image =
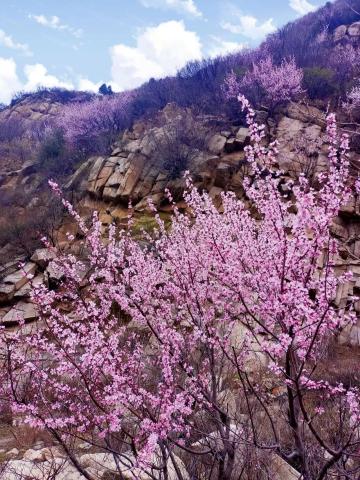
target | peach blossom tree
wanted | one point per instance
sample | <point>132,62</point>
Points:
<point>141,357</point>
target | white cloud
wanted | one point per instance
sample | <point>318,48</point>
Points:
<point>302,6</point>
<point>224,47</point>
<point>54,22</point>
<point>182,6</point>
<point>9,81</point>
<point>160,51</point>
<point>8,42</point>
<point>35,75</point>
<point>38,76</point>
<point>86,85</point>
<point>249,26</point>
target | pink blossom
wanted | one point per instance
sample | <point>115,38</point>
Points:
<point>278,83</point>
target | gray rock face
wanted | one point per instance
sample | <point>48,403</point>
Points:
<point>299,142</point>
<point>134,170</point>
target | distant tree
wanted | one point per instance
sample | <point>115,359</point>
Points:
<point>279,82</point>
<point>105,89</point>
<point>232,86</point>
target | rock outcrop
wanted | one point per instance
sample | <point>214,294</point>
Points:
<point>347,32</point>
<point>135,171</point>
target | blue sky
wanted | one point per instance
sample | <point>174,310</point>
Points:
<point>83,43</point>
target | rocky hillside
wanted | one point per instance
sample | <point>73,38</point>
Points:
<point>24,122</point>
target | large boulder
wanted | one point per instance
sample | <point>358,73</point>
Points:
<point>34,456</point>
<point>340,33</point>
<point>79,180</point>
<point>22,311</point>
<point>281,470</point>
<point>21,276</point>
<point>42,257</point>
<point>243,136</point>
<point>95,175</point>
<point>25,291</point>
<point>14,281</point>
<point>354,30</point>
<point>7,292</point>
<point>103,176</point>
<point>217,143</point>
<point>26,469</point>
<point>132,175</point>
<point>53,274</point>
<point>38,465</point>
<point>299,140</point>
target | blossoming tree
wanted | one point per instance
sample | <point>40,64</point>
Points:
<point>272,83</point>
<point>85,123</point>
<point>204,345</point>
<point>352,102</point>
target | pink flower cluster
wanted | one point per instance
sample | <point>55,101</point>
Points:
<point>84,121</point>
<point>278,83</point>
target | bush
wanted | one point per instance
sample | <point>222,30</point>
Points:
<point>319,82</point>
<point>11,129</point>
<point>181,141</point>
<point>23,224</point>
<point>53,155</point>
